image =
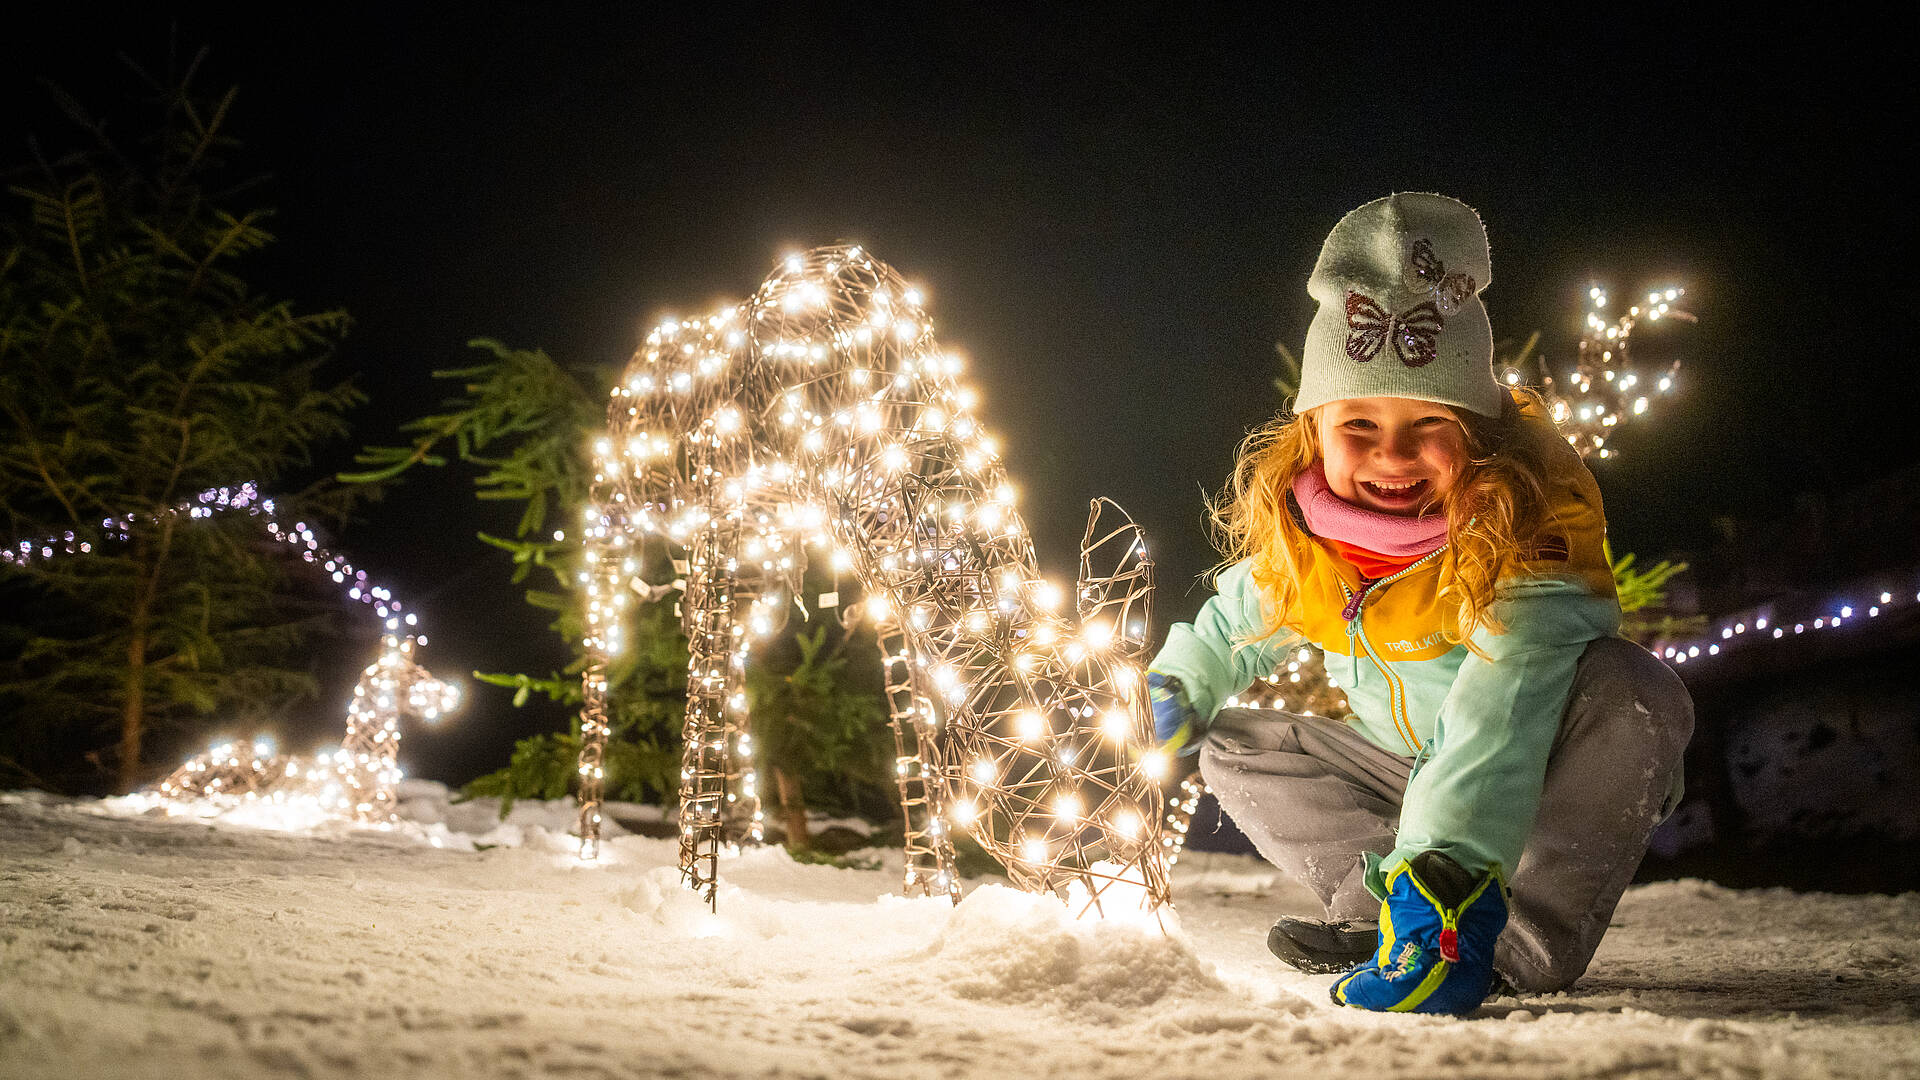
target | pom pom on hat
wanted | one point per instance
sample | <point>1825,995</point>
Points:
<point>1398,284</point>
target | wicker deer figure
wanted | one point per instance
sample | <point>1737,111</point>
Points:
<point>821,420</point>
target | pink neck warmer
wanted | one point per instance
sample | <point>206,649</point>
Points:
<point>1331,516</point>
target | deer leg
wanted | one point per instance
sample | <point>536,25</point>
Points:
<point>929,846</point>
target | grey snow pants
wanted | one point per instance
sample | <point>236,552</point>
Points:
<point>1313,794</point>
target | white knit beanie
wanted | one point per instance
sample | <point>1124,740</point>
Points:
<point>1399,283</point>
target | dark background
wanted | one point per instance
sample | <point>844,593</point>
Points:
<point>1114,216</point>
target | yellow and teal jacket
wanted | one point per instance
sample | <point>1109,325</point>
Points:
<point>1479,730</point>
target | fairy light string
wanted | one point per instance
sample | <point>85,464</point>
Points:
<point>820,420</point>
<point>1762,624</point>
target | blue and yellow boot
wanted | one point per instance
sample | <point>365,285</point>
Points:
<point>1438,925</point>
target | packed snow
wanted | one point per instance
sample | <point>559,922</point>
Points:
<point>137,944</point>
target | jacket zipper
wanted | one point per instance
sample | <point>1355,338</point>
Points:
<point>1357,640</point>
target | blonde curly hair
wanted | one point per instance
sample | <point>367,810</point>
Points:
<point>1495,512</point>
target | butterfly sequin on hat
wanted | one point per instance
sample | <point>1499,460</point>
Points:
<point>1427,274</point>
<point>1415,332</point>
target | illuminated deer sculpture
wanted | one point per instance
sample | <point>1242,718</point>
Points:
<point>821,420</point>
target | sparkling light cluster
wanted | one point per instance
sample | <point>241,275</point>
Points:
<point>1301,685</point>
<point>357,779</point>
<point>1605,389</point>
<point>242,498</point>
<point>820,420</point>
<point>206,504</point>
<point>1179,815</point>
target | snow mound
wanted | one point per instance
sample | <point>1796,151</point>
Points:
<point>478,817</point>
<point>659,896</point>
<point>1229,879</point>
<point>1008,946</point>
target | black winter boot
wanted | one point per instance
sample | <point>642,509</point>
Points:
<point>1322,948</point>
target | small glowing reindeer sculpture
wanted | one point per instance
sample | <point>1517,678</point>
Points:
<point>355,781</point>
<point>820,420</point>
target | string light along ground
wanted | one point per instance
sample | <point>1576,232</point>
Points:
<point>820,420</point>
<point>1757,625</point>
<point>354,781</point>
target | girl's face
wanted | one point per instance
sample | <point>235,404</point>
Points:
<point>1393,455</point>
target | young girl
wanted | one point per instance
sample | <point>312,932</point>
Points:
<point>1507,755</point>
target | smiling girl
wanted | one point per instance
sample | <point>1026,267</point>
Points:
<point>1507,756</point>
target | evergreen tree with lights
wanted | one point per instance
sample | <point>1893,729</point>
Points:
<point>139,367</point>
<point>520,423</point>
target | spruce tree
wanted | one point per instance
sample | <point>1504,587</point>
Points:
<point>820,723</point>
<point>138,369</point>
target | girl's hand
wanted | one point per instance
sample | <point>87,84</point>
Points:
<point>1174,721</point>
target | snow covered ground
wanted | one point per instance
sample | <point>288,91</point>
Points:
<point>143,946</point>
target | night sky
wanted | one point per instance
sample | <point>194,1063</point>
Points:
<point>1113,218</point>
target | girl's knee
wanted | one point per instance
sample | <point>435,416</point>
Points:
<point>1244,733</point>
<point>1627,683</point>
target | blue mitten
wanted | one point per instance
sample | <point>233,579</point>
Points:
<point>1174,721</point>
<point>1438,924</point>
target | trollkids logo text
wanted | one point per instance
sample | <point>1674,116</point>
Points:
<point>1414,646</point>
